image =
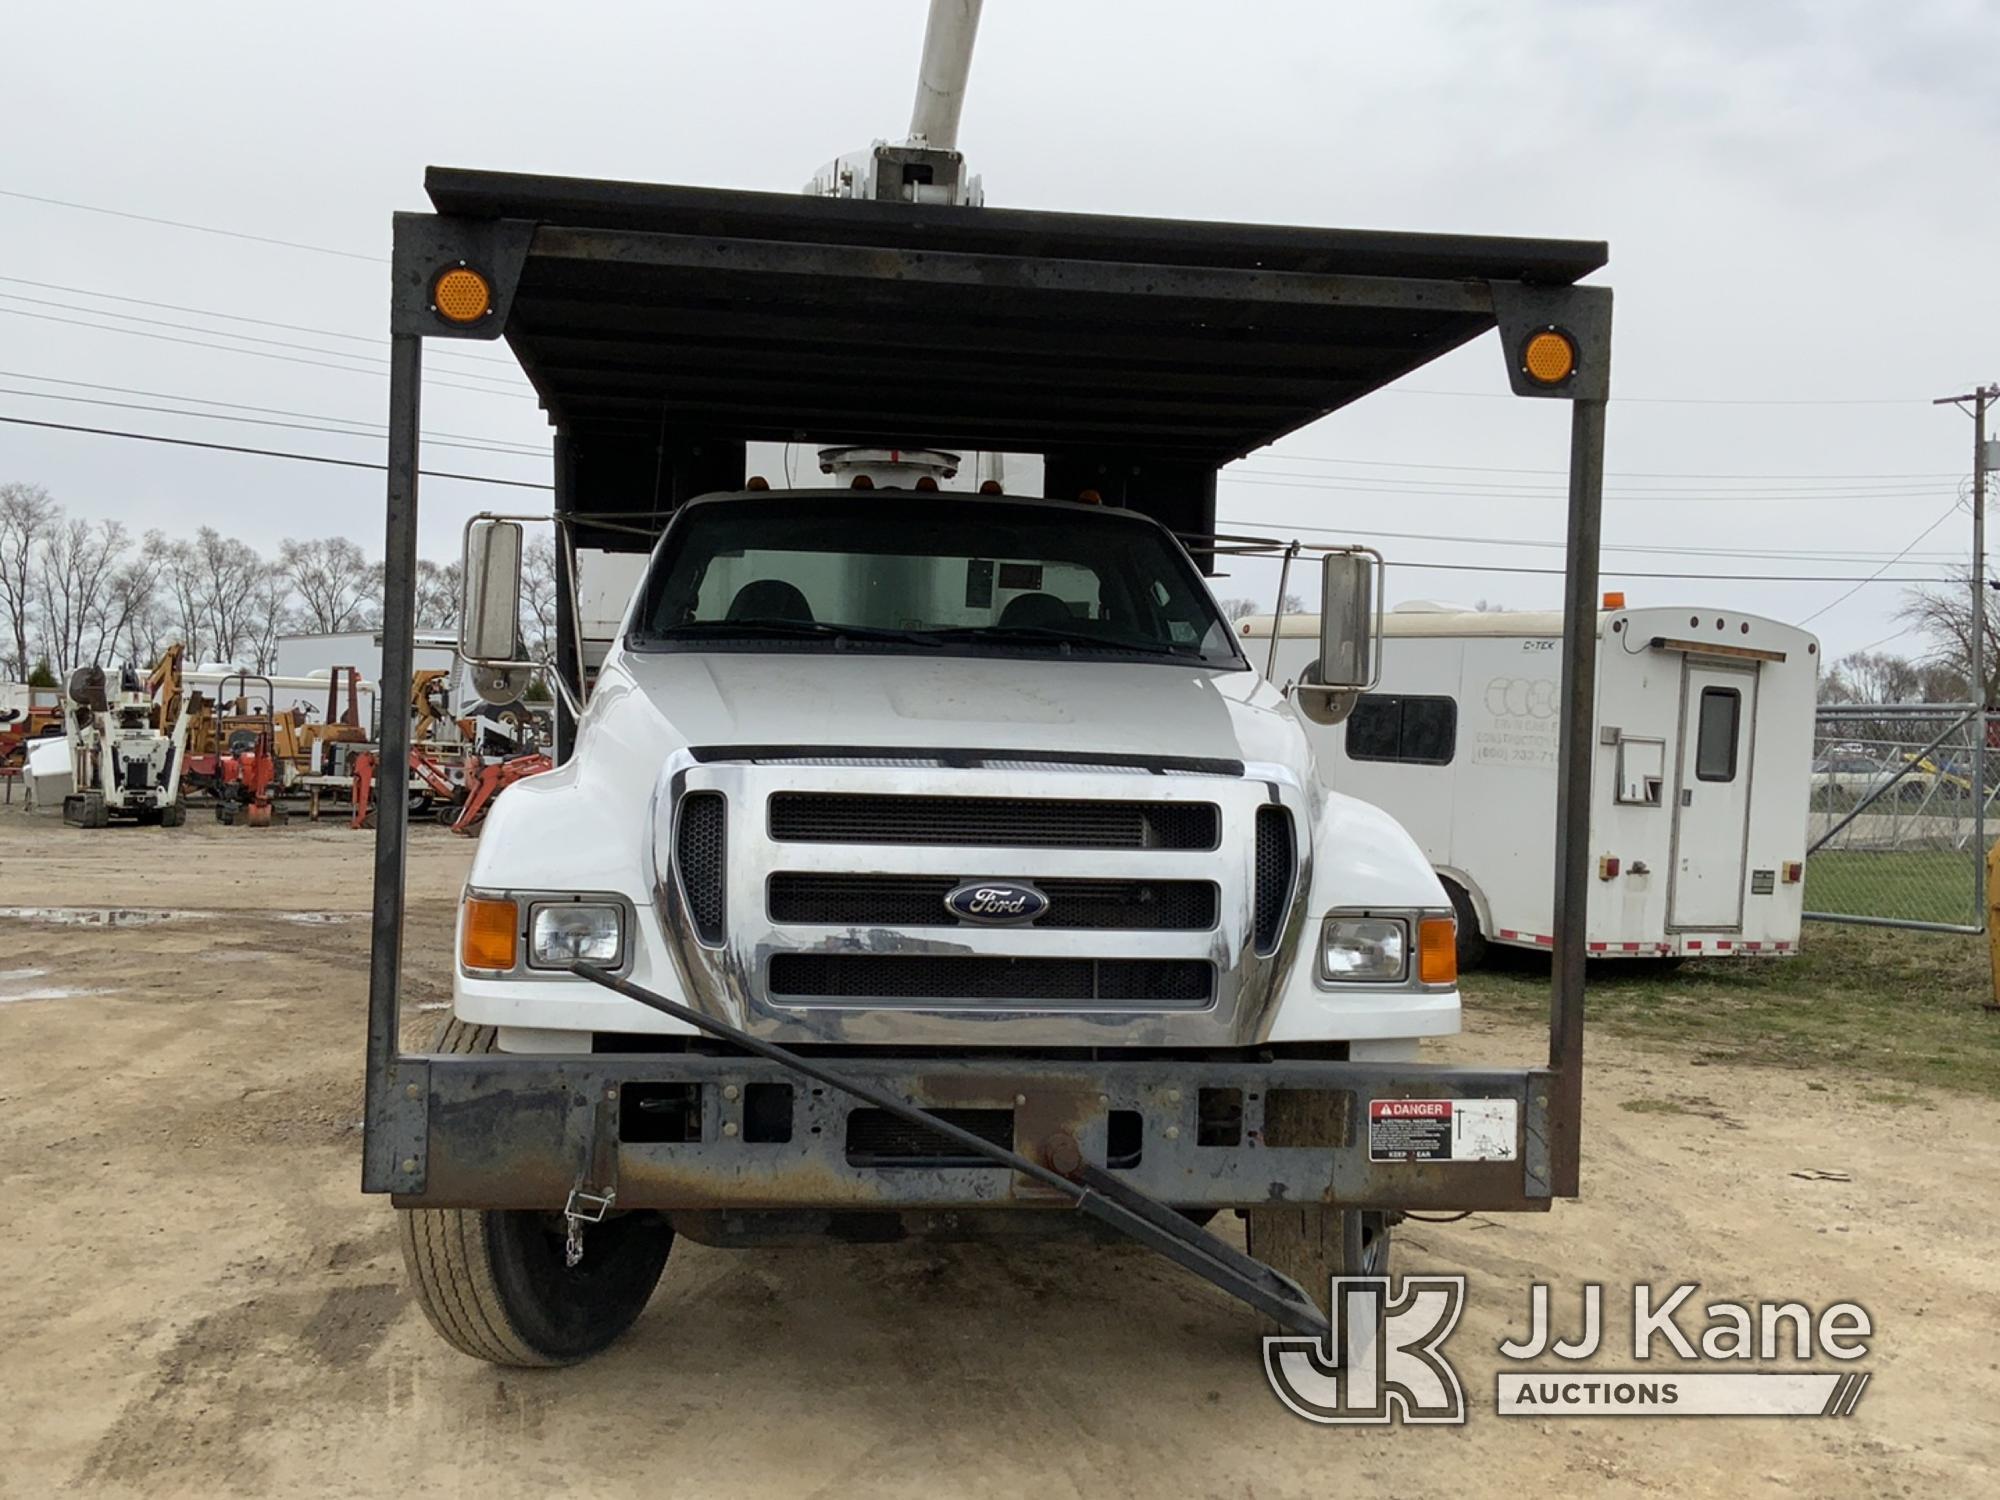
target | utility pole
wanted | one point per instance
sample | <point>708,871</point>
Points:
<point>1980,398</point>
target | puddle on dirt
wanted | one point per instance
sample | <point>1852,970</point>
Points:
<point>19,984</point>
<point>9,993</point>
<point>149,916</point>
<point>100,916</point>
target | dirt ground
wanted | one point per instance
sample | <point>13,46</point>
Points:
<point>198,1300</point>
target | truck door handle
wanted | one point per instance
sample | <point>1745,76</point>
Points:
<point>1687,796</point>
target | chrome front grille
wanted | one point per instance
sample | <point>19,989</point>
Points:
<point>924,979</point>
<point>701,857</point>
<point>1014,822</point>
<point>918,901</point>
<point>1165,926</point>
<point>1277,863</point>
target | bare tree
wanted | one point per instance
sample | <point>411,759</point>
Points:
<point>128,623</point>
<point>27,514</point>
<point>1240,609</point>
<point>227,573</point>
<point>538,598</point>
<point>1878,677</point>
<point>437,595</point>
<point>180,594</point>
<point>337,588</point>
<point>268,615</point>
<point>1943,616</point>
<point>74,568</point>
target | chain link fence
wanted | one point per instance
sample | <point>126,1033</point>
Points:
<point>1897,834</point>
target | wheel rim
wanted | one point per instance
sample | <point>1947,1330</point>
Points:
<point>1374,1246</point>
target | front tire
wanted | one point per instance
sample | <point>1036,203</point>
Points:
<point>1308,1242</point>
<point>493,1281</point>
<point>1471,941</point>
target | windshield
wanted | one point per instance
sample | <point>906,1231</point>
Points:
<point>930,575</point>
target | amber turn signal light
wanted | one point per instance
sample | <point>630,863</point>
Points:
<point>1437,950</point>
<point>460,295</point>
<point>489,934</point>
<point>1549,357</point>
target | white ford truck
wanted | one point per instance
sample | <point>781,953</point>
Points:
<point>921,862</point>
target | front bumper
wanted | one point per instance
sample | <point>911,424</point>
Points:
<point>495,1131</point>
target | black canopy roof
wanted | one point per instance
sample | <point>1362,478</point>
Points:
<point>777,316</point>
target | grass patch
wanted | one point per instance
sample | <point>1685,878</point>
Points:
<point>1857,1005</point>
<point>1919,885</point>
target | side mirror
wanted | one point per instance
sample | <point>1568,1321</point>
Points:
<point>1350,636</point>
<point>489,612</point>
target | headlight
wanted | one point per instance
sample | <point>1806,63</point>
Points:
<point>560,934</point>
<point>1364,950</point>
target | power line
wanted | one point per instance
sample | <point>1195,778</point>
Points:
<point>237,234</point>
<point>167,338</point>
<point>1384,463</point>
<point>234,234</point>
<point>221,333</point>
<point>1703,491</point>
<point>350,463</point>
<point>1342,485</point>
<point>378,435</point>
<point>1778,554</point>
<point>1281,527</point>
<point>1886,566</point>
<point>530,450</point>
<point>309,458</point>
<point>1401,390</point>
<point>203,312</point>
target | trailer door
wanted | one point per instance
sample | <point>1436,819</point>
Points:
<point>1712,805</point>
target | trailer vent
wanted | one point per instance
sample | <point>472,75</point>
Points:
<point>1045,823</point>
<point>699,852</point>
<point>888,979</point>
<point>1277,862</point>
<point>918,901</point>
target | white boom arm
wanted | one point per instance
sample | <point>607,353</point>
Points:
<point>947,61</point>
<point>926,168</point>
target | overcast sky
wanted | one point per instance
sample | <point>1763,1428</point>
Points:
<point>1799,200</point>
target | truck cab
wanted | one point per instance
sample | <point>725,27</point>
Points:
<point>833,716</point>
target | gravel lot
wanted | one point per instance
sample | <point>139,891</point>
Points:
<point>199,1300</point>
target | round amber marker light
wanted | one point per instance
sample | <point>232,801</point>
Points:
<point>461,295</point>
<point>1550,357</point>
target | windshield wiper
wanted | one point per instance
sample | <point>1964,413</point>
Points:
<point>794,629</point>
<point>1056,635</point>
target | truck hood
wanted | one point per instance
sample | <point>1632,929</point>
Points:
<point>968,703</point>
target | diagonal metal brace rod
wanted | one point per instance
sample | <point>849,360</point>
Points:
<point>1877,793</point>
<point>1090,1188</point>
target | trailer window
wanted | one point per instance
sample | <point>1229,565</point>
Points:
<point>1715,734</point>
<point>1396,726</point>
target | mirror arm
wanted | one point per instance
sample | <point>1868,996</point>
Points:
<point>561,685</point>
<point>1278,615</point>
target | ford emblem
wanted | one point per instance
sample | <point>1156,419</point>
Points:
<point>995,901</point>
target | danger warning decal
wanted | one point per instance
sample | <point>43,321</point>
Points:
<point>1442,1129</point>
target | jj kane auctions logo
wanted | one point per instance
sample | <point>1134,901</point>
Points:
<point>1383,1358</point>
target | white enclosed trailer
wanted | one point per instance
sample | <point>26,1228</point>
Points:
<point>1698,796</point>
<point>314,656</point>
